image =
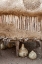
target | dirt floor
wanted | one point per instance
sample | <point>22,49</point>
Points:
<point>8,56</point>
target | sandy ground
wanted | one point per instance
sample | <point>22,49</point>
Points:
<point>8,56</point>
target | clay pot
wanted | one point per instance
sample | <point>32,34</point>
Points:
<point>23,52</point>
<point>32,55</point>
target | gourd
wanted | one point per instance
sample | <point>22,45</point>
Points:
<point>32,55</point>
<point>23,52</point>
<point>2,46</point>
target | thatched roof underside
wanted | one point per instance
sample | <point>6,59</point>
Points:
<point>24,7</point>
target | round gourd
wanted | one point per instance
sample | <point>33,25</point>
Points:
<point>32,55</point>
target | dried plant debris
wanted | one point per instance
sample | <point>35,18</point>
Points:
<point>31,4</point>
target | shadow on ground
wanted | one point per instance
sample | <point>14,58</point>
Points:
<point>8,56</point>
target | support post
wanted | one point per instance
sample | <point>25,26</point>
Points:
<point>17,47</point>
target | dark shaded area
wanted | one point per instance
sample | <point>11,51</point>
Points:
<point>31,44</point>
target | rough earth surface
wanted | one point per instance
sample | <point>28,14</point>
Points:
<point>8,56</point>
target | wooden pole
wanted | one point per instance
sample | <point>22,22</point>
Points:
<point>17,47</point>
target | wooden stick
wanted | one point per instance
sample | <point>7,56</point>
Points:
<point>17,47</point>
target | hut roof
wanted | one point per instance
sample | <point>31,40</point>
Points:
<point>24,7</point>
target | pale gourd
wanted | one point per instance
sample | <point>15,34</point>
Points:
<point>32,55</point>
<point>2,46</point>
<point>23,52</point>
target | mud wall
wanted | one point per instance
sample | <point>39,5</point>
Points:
<point>20,26</point>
